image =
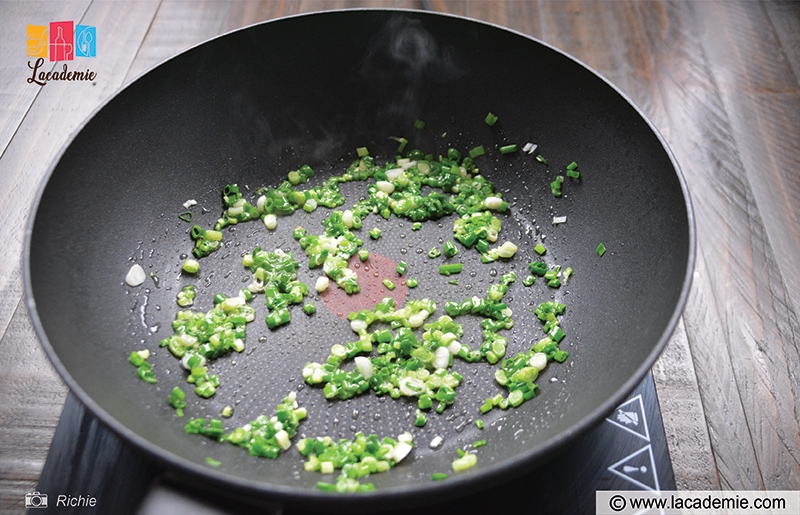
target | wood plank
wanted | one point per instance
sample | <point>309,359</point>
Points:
<point>742,332</point>
<point>177,26</point>
<point>785,18</point>
<point>763,101</point>
<point>682,414</point>
<point>16,95</point>
<point>33,395</point>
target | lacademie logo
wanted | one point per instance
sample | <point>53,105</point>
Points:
<point>60,41</point>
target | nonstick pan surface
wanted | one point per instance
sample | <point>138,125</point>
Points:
<point>251,105</point>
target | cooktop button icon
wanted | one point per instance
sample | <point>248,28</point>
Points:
<point>630,416</point>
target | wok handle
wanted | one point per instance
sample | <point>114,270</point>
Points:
<point>88,461</point>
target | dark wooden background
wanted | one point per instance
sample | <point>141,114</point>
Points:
<point>719,80</point>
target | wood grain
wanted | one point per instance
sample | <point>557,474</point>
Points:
<point>33,395</point>
<point>739,316</point>
<point>15,98</point>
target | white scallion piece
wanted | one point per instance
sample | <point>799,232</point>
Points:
<point>400,451</point>
<point>364,366</point>
<point>270,221</point>
<point>538,361</point>
<point>559,220</point>
<point>135,276</point>
<point>417,319</point>
<point>411,386</point>
<point>507,250</point>
<point>454,347</point>
<point>493,203</point>
<point>393,173</point>
<point>436,442</point>
<point>189,203</point>
<point>322,284</point>
<point>358,325</point>
<point>385,186</point>
<point>282,437</point>
<point>441,357</point>
<point>347,219</point>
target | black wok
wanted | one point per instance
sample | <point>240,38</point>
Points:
<point>251,105</point>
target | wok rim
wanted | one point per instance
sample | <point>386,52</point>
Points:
<point>410,495</point>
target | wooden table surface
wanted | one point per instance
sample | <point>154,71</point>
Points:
<point>719,80</point>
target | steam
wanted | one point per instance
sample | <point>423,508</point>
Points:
<point>364,90</point>
<point>402,59</point>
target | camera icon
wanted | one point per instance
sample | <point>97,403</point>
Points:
<point>35,500</point>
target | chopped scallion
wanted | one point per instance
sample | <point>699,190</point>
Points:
<point>451,268</point>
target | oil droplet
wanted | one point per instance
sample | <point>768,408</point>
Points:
<point>357,266</point>
<point>403,251</point>
<point>493,272</point>
<point>473,273</point>
<point>420,251</point>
